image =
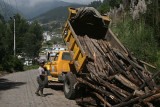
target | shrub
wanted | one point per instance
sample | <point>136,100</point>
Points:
<point>18,65</point>
<point>11,63</point>
<point>139,38</point>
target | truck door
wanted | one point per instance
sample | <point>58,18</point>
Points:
<point>64,62</point>
<point>55,63</point>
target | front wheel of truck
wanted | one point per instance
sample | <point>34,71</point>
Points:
<point>68,87</point>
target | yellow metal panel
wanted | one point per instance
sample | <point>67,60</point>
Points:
<point>76,54</point>
<point>80,58</point>
<point>75,48</point>
<point>50,78</point>
<point>72,44</point>
<point>81,64</point>
<point>68,36</point>
<point>106,18</point>
<point>65,28</point>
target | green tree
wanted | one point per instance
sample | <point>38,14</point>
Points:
<point>31,45</point>
<point>21,28</point>
<point>104,8</point>
<point>114,3</point>
<point>95,4</point>
<point>28,42</point>
<point>36,29</point>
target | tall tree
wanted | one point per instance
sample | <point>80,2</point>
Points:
<point>95,4</point>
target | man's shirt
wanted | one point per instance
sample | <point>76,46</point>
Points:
<point>41,71</point>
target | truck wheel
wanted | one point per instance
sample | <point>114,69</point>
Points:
<point>68,87</point>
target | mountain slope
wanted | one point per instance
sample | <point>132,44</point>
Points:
<point>56,14</point>
<point>32,10</point>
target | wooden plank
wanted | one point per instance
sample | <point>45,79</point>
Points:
<point>126,82</point>
<point>123,104</point>
<point>75,37</point>
<point>108,94</point>
<point>102,99</point>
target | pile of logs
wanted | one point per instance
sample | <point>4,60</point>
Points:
<point>117,79</point>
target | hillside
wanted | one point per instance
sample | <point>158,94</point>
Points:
<point>56,14</point>
<point>30,9</point>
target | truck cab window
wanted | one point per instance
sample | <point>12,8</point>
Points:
<point>66,56</point>
<point>56,57</point>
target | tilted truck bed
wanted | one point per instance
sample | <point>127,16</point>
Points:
<point>115,77</point>
<point>76,50</point>
<point>77,53</point>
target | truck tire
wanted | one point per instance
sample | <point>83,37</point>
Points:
<point>68,87</point>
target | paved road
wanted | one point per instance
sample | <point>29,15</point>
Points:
<point>17,90</point>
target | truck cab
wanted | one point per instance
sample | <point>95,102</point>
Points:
<point>59,66</point>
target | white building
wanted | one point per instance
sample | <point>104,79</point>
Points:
<point>46,36</point>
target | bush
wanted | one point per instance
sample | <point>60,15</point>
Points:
<point>18,65</point>
<point>139,38</point>
<point>31,67</point>
<point>12,63</point>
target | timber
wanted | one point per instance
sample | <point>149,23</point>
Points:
<point>113,74</point>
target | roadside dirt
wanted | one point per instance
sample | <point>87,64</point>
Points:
<point>3,73</point>
<point>18,89</point>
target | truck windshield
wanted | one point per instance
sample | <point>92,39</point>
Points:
<point>66,56</point>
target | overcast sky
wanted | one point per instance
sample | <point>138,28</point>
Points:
<point>33,2</point>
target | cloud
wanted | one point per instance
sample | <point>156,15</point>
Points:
<point>79,1</point>
<point>34,2</point>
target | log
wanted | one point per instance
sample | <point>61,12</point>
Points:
<point>108,94</point>
<point>108,64</point>
<point>122,104</point>
<point>102,99</point>
<point>147,64</point>
<point>112,87</point>
<point>126,82</point>
<point>156,96</point>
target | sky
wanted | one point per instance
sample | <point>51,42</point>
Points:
<point>33,2</point>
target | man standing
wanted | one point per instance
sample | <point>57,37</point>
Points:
<point>41,79</point>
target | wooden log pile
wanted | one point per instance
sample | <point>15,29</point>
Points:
<point>117,79</point>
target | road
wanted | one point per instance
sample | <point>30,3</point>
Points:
<point>18,89</point>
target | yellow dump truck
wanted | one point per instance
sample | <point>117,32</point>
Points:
<point>77,53</point>
<point>104,68</point>
<point>61,64</point>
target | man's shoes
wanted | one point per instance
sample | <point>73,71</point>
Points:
<point>37,93</point>
<point>42,95</point>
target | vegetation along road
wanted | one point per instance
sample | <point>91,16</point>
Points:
<point>18,89</point>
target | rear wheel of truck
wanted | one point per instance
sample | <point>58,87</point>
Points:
<point>68,87</point>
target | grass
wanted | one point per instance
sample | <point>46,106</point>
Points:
<point>31,67</point>
<point>139,38</point>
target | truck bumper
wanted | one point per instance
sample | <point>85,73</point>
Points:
<point>54,79</point>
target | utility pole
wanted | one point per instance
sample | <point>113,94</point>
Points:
<point>14,36</point>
